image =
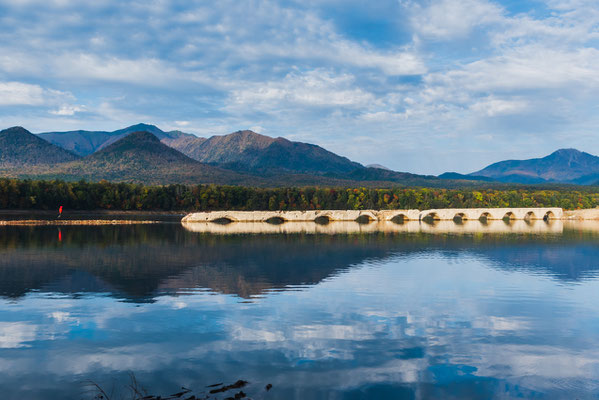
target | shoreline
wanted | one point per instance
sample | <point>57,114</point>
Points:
<point>82,217</point>
<point>66,222</point>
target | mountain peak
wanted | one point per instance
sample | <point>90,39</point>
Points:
<point>567,151</point>
<point>20,147</point>
<point>143,127</point>
<point>569,154</point>
<point>249,136</point>
<point>15,130</point>
<point>134,140</point>
<point>142,136</point>
<point>245,132</point>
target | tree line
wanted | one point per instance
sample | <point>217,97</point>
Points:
<point>82,195</point>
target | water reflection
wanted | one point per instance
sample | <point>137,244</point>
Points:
<point>358,315</point>
<point>345,227</point>
<point>140,262</point>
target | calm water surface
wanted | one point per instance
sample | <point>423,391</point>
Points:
<point>346,316</point>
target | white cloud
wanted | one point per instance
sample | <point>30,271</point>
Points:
<point>25,94</point>
<point>450,19</point>
<point>149,72</point>
<point>17,93</point>
<point>317,88</point>
<point>493,107</point>
<point>68,110</point>
<point>531,67</point>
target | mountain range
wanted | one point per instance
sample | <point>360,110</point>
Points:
<point>241,150</point>
<point>146,154</point>
<point>84,143</point>
<point>140,156</point>
<point>562,166</point>
<point>129,155</point>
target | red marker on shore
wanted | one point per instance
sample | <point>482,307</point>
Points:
<point>59,212</point>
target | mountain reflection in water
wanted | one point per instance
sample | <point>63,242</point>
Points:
<point>140,262</point>
<point>400,311</point>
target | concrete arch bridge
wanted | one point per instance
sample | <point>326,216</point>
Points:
<point>303,216</point>
<point>448,214</point>
<point>375,215</point>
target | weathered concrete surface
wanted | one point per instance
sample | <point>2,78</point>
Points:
<point>374,215</point>
<point>587,214</point>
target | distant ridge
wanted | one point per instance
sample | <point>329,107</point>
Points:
<point>457,176</point>
<point>19,147</point>
<point>84,143</point>
<point>561,166</point>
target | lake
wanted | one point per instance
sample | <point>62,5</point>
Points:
<point>346,313</point>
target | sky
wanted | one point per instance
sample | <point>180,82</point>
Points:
<point>419,86</point>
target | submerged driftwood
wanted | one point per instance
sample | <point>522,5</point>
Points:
<point>137,392</point>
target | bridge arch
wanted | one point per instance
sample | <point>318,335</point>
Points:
<point>400,218</point>
<point>530,215</point>
<point>224,220</point>
<point>276,220</point>
<point>322,219</point>
<point>509,216</point>
<point>549,215</point>
<point>485,216</point>
<point>460,217</point>
<point>364,219</point>
<point>431,216</point>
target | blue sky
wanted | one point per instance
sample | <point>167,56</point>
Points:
<point>420,86</point>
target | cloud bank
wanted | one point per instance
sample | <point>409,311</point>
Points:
<point>422,86</point>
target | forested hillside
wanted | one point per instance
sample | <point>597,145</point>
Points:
<point>27,194</point>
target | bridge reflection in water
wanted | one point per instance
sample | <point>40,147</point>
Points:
<point>341,227</point>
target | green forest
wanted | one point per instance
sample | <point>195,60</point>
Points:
<point>49,195</point>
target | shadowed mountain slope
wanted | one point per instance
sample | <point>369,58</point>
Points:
<point>141,157</point>
<point>247,150</point>
<point>563,166</point>
<point>19,147</point>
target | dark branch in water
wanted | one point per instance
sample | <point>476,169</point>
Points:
<point>237,385</point>
<point>137,392</point>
